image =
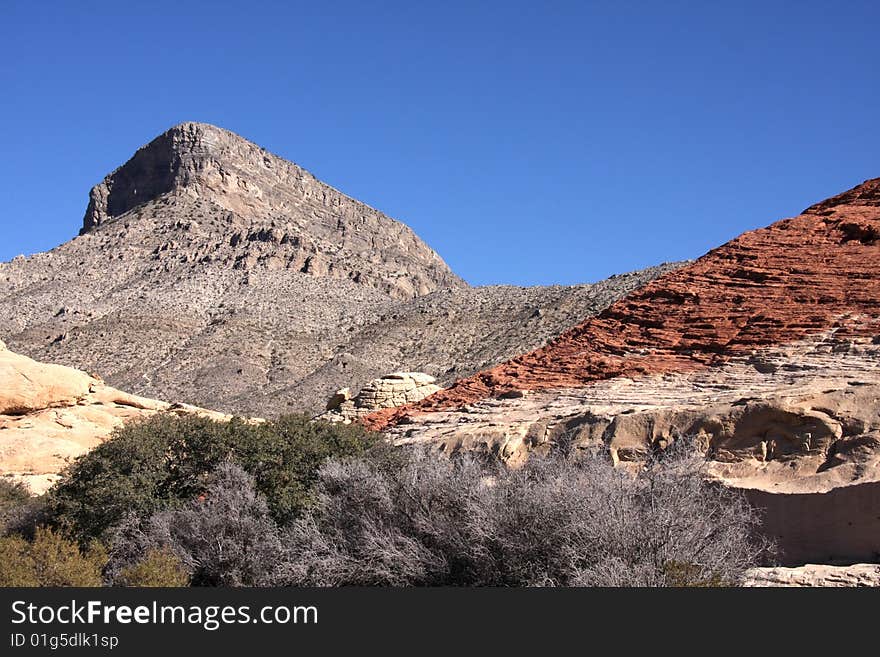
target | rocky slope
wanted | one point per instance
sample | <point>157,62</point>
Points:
<point>456,332</point>
<point>213,272</point>
<point>766,349</point>
<point>50,414</point>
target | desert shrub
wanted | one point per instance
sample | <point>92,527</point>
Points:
<point>49,560</point>
<point>424,523</point>
<point>165,460</point>
<point>285,459</point>
<point>12,494</point>
<point>15,503</point>
<point>564,520</point>
<point>16,565</point>
<point>20,511</point>
<point>158,567</point>
<point>223,537</point>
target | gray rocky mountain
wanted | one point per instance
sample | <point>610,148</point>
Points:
<point>212,272</point>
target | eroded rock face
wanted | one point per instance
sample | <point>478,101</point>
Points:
<point>388,391</point>
<point>29,386</point>
<point>50,414</point>
<point>802,438</point>
<point>278,214</point>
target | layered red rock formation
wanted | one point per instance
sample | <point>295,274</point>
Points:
<point>798,277</point>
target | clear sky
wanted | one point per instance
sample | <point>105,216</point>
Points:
<point>527,142</point>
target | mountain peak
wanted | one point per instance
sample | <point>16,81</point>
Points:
<point>179,157</point>
<point>201,193</point>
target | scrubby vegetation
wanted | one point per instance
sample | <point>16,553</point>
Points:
<point>224,537</point>
<point>20,512</point>
<point>563,520</point>
<point>166,460</point>
<point>49,560</point>
<point>184,486</point>
<point>190,501</point>
<point>158,567</point>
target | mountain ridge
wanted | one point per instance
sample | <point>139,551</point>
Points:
<point>212,272</point>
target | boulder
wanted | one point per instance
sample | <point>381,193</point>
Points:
<point>388,391</point>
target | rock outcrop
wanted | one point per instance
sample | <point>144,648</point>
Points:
<point>388,391</point>
<point>50,414</point>
<point>816,575</point>
<point>766,351</point>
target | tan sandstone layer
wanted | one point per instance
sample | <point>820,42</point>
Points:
<point>386,391</point>
<point>50,414</point>
<point>813,575</point>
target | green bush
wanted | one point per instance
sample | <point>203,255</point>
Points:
<point>49,560</point>
<point>158,567</point>
<point>160,462</point>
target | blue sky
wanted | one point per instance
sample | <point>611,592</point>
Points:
<point>527,142</point>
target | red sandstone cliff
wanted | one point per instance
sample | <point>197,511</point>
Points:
<point>816,272</point>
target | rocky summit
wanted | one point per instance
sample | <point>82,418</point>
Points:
<point>209,271</point>
<point>766,350</point>
<point>242,207</point>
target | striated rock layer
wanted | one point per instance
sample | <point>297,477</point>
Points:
<point>797,277</point>
<point>50,414</point>
<point>387,391</point>
<point>813,575</point>
<point>766,351</point>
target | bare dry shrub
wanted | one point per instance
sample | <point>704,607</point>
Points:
<point>225,537</point>
<point>562,520</point>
